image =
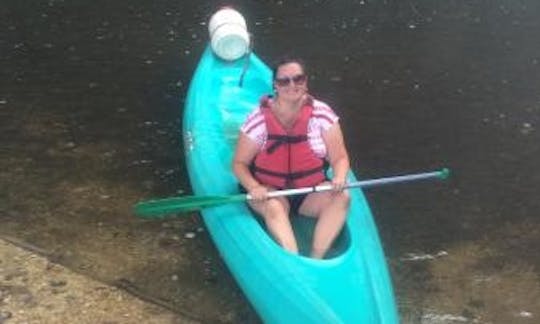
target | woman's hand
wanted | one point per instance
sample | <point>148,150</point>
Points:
<point>258,193</point>
<point>338,184</point>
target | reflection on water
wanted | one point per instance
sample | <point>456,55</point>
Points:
<point>90,103</point>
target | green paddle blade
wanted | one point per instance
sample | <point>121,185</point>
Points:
<point>160,207</point>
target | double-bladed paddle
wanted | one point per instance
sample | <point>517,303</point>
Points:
<point>161,207</point>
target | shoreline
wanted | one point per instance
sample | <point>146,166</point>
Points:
<point>34,289</point>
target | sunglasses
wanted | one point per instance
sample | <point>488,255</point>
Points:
<point>298,79</point>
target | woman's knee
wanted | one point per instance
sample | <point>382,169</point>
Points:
<point>275,209</point>
<point>345,197</point>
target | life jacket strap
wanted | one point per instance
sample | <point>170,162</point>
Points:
<point>288,176</point>
<point>284,139</point>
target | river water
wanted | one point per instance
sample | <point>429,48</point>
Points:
<point>91,95</point>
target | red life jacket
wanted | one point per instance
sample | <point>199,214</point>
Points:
<point>287,160</point>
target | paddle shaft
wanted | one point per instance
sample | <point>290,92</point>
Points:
<point>363,184</point>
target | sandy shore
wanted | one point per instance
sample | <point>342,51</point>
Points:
<point>35,290</point>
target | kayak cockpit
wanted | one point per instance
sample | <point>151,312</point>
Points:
<point>303,230</point>
<point>304,227</point>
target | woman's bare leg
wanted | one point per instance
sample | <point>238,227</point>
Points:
<point>330,209</point>
<point>275,212</point>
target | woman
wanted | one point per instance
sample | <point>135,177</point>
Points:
<point>286,143</point>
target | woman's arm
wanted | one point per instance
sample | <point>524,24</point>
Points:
<point>246,150</point>
<point>337,154</point>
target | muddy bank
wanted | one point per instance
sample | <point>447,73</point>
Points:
<point>35,290</point>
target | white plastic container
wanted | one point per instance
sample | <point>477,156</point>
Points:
<point>229,37</point>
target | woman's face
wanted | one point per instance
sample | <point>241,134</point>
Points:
<point>290,82</point>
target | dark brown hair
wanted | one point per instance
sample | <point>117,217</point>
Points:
<point>286,60</point>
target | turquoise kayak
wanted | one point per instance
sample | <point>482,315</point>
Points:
<point>352,285</point>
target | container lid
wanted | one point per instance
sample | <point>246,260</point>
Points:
<point>230,42</point>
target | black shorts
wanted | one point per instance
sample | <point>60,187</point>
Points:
<point>294,201</point>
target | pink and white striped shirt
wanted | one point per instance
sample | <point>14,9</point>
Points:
<point>322,118</point>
